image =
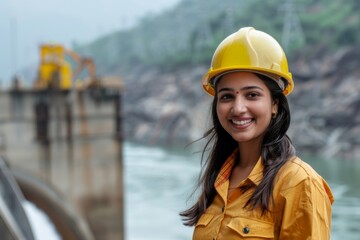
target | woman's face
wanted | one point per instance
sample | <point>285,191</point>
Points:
<point>244,106</point>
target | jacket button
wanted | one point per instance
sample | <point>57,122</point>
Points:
<point>246,230</point>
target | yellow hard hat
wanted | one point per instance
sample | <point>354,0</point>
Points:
<point>249,50</point>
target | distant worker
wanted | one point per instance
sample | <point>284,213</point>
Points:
<point>253,186</point>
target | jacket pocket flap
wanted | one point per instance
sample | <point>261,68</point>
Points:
<point>204,219</point>
<point>246,227</point>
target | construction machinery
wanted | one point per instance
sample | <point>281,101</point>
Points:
<point>81,64</point>
<point>55,72</point>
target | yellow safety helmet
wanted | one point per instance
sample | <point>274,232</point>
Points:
<point>249,50</point>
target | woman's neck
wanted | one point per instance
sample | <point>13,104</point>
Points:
<point>249,154</point>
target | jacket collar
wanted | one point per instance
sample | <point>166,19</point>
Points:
<point>255,176</point>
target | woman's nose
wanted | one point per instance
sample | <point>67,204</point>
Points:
<point>239,106</point>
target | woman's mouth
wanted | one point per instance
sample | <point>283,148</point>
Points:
<point>241,123</point>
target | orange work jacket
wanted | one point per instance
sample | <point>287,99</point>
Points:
<point>300,208</point>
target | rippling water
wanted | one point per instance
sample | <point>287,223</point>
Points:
<point>158,183</point>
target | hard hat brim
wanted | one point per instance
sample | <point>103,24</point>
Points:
<point>210,78</point>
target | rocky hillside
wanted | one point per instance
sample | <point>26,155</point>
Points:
<point>163,58</point>
<point>326,105</point>
<point>169,107</point>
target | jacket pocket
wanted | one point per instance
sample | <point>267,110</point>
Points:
<point>203,229</point>
<point>252,228</point>
<point>204,220</point>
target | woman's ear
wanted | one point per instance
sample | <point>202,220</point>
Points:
<point>274,108</point>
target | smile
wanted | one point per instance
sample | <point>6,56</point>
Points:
<point>241,122</point>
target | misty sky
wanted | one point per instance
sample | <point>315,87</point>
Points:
<point>24,25</point>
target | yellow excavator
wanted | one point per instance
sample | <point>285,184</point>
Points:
<point>55,72</point>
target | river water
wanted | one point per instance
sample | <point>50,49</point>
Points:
<point>158,183</point>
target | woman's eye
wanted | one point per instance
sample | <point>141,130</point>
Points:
<point>226,97</point>
<point>253,95</point>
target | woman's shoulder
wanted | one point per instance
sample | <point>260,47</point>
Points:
<point>296,171</point>
<point>297,174</point>
<point>297,164</point>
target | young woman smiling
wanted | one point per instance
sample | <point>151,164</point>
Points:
<point>253,186</point>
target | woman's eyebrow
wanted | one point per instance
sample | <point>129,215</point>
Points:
<point>226,89</point>
<point>252,87</point>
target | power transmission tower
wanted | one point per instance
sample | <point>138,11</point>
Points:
<point>229,24</point>
<point>14,41</point>
<point>292,31</point>
<point>204,36</point>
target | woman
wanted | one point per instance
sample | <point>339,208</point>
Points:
<point>253,185</point>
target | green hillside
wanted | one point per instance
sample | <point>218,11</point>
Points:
<point>189,33</point>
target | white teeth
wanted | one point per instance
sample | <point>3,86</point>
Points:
<point>242,122</point>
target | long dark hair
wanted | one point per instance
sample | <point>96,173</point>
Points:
<point>276,150</point>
